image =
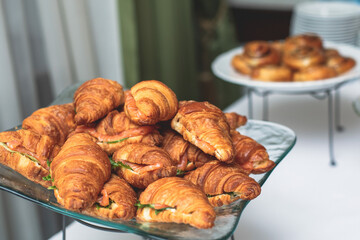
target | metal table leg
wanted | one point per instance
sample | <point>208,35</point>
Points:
<point>331,127</point>
<point>63,227</point>
<point>338,125</point>
<point>265,107</point>
<point>250,103</point>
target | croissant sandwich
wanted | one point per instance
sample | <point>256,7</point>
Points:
<point>116,200</point>
<point>116,130</point>
<point>140,164</point>
<point>96,98</point>
<point>205,126</point>
<point>176,200</point>
<point>250,155</point>
<point>149,102</point>
<point>185,154</point>
<point>56,121</point>
<point>223,183</point>
<point>28,153</point>
<point>79,172</point>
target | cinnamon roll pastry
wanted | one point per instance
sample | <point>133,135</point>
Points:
<point>116,200</point>
<point>96,98</point>
<point>250,155</point>
<point>55,121</point>
<point>224,183</point>
<point>331,52</point>
<point>149,102</point>
<point>303,57</point>
<point>278,45</point>
<point>28,153</point>
<point>116,130</point>
<point>235,120</point>
<point>340,64</point>
<point>185,154</point>
<point>79,171</point>
<point>308,39</point>
<point>272,73</point>
<point>140,164</point>
<point>205,126</point>
<point>314,73</point>
<point>176,200</point>
<point>256,54</point>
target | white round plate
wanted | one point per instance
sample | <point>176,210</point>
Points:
<point>328,9</point>
<point>223,69</point>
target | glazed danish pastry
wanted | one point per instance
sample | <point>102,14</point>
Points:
<point>224,183</point>
<point>116,130</point>
<point>28,153</point>
<point>141,164</point>
<point>55,121</point>
<point>331,52</point>
<point>310,40</point>
<point>315,73</point>
<point>116,200</point>
<point>250,155</point>
<point>79,171</point>
<point>176,200</point>
<point>96,98</point>
<point>205,126</point>
<point>272,73</point>
<point>241,65</point>
<point>149,102</point>
<point>303,57</point>
<point>341,64</point>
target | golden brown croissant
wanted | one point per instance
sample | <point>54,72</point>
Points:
<point>116,201</point>
<point>149,102</point>
<point>177,200</point>
<point>56,121</point>
<point>79,172</point>
<point>224,183</point>
<point>185,154</point>
<point>28,153</point>
<point>142,164</point>
<point>235,120</point>
<point>205,126</point>
<point>250,155</point>
<point>96,98</point>
<point>117,130</point>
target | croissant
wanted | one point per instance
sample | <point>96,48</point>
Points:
<point>141,164</point>
<point>28,153</point>
<point>205,126</point>
<point>235,120</point>
<point>79,172</point>
<point>185,154</point>
<point>176,200</point>
<point>116,130</point>
<point>250,155</point>
<point>116,200</point>
<point>149,102</point>
<point>223,183</point>
<point>56,121</point>
<point>95,98</point>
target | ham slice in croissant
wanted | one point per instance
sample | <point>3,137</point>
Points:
<point>116,130</point>
<point>55,121</point>
<point>235,120</point>
<point>28,153</point>
<point>250,155</point>
<point>79,171</point>
<point>185,154</point>
<point>149,102</point>
<point>205,126</point>
<point>96,98</point>
<point>116,201</point>
<point>223,183</point>
<point>142,164</point>
<point>176,200</point>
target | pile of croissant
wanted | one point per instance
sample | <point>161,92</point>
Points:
<point>139,153</point>
<point>298,58</point>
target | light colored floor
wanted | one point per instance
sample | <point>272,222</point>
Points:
<point>305,198</point>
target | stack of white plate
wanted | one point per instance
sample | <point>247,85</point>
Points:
<point>333,21</point>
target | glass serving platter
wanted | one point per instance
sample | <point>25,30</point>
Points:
<point>223,69</point>
<point>277,139</point>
